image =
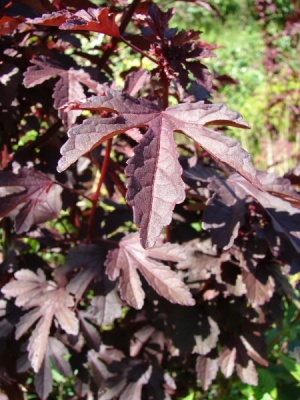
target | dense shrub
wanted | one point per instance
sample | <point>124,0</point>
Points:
<point>143,253</point>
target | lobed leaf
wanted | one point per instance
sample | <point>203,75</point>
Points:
<point>33,196</point>
<point>130,258</point>
<point>48,302</point>
<point>154,174</point>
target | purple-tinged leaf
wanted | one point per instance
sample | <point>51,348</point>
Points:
<point>105,309</point>
<point>34,192</point>
<point>259,284</point>
<point>204,344</point>
<point>99,370</point>
<point>154,174</point>
<point>88,260</point>
<point>26,286</point>
<point>47,302</point>
<point>154,182</point>
<point>58,353</point>
<point>139,339</point>
<point>253,353</point>
<point>43,379</point>
<point>67,89</point>
<point>280,187</point>
<point>89,331</point>
<point>133,391</point>
<point>130,258</point>
<point>224,214</point>
<point>285,218</point>
<point>42,70</point>
<point>227,361</point>
<point>248,374</point>
<point>207,369</point>
<point>230,275</point>
<point>135,81</point>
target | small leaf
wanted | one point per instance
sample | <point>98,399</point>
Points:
<point>207,369</point>
<point>227,361</point>
<point>248,374</point>
<point>130,258</point>
<point>36,194</point>
<point>205,344</point>
<point>47,302</point>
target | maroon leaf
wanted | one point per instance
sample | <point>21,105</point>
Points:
<point>205,344</point>
<point>285,218</point>
<point>154,181</point>
<point>229,200</point>
<point>207,369</point>
<point>90,333</point>
<point>259,284</point>
<point>139,339</point>
<point>253,353</point>
<point>248,374</point>
<point>225,213</point>
<point>38,197</point>
<point>94,19</point>
<point>46,301</point>
<point>227,361</point>
<point>68,88</point>
<point>105,309</point>
<point>135,81</point>
<point>130,258</point>
<point>59,353</point>
<point>88,260</point>
<point>43,379</point>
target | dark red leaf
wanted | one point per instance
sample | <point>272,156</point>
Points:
<point>67,89</point>
<point>45,301</point>
<point>94,19</point>
<point>43,379</point>
<point>130,258</point>
<point>207,369</point>
<point>154,184</point>
<point>34,192</point>
<point>227,361</point>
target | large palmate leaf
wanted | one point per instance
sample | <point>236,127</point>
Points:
<point>32,195</point>
<point>154,173</point>
<point>130,258</point>
<point>46,301</point>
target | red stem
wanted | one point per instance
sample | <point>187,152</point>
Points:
<point>133,47</point>
<point>95,198</point>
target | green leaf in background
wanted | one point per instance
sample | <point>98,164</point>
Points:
<point>291,365</point>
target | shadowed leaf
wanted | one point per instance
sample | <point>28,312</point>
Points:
<point>32,195</point>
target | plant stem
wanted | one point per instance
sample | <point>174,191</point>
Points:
<point>94,199</point>
<point>133,47</point>
<point>73,190</point>
<point>165,85</point>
